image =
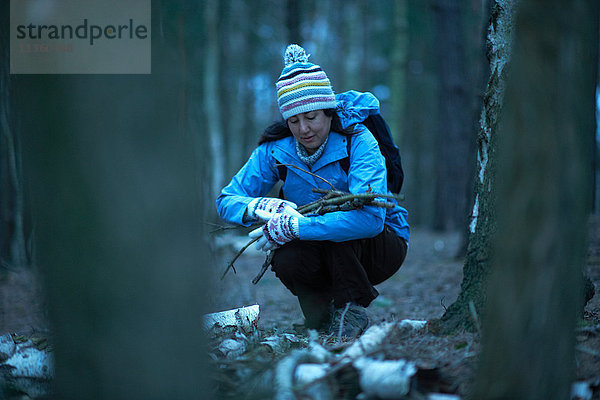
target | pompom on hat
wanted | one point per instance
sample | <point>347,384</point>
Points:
<point>302,86</point>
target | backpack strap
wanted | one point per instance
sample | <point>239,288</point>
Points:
<point>282,170</point>
<point>345,162</point>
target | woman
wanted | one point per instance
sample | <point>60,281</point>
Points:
<point>330,262</point>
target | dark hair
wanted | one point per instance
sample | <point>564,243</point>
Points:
<point>280,129</point>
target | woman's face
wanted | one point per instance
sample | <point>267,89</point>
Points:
<point>310,129</point>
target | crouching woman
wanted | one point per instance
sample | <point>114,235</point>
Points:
<point>331,262</point>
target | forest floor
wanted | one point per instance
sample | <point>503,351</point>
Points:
<point>428,281</point>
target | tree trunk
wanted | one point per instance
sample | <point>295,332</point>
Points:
<point>483,224</point>
<point>353,50</point>
<point>13,249</point>
<point>476,18</point>
<point>113,179</point>
<point>543,188</point>
<point>398,71</point>
<point>417,155</point>
<point>212,95</point>
<point>454,132</point>
<point>293,21</point>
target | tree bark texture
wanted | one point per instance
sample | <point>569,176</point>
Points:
<point>483,219</point>
<point>112,171</point>
<point>543,191</point>
<point>477,18</point>
<point>455,132</point>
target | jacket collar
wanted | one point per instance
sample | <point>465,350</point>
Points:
<point>284,151</point>
<point>336,150</point>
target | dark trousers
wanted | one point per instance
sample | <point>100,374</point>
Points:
<point>320,273</point>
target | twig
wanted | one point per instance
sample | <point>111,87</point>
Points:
<point>230,265</point>
<point>333,200</point>
<point>354,201</point>
<point>341,328</point>
<point>310,173</point>
<point>264,268</point>
<point>329,195</point>
<point>340,193</point>
<point>351,205</point>
<point>443,305</point>
<point>220,228</point>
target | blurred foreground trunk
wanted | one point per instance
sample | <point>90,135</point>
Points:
<point>113,173</point>
<point>543,203</point>
<point>13,235</point>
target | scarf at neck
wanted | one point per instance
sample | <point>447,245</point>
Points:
<point>310,159</point>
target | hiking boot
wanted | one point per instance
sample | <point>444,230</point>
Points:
<point>317,311</point>
<point>349,321</point>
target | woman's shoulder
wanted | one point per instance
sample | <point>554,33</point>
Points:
<point>363,136</point>
<point>282,142</point>
<point>277,147</point>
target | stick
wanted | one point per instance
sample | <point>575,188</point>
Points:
<point>341,328</point>
<point>340,193</point>
<point>333,200</point>
<point>354,201</point>
<point>264,268</point>
<point>230,265</point>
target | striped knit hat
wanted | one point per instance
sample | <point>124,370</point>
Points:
<point>302,86</point>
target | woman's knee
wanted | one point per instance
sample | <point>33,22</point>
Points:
<point>299,264</point>
<point>283,261</point>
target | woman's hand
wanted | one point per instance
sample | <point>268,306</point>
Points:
<point>270,205</point>
<point>280,227</point>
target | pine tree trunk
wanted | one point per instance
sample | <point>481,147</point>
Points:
<point>418,158</point>
<point>454,129</point>
<point>483,224</point>
<point>398,72</point>
<point>353,49</point>
<point>543,189</point>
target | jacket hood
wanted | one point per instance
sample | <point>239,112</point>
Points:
<point>354,107</point>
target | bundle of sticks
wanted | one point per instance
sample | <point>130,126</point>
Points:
<point>332,200</point>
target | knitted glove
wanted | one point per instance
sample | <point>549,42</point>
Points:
<point>280,228</point>
<point>268,204</point>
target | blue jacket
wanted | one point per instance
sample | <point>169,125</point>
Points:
<point>367,173</point>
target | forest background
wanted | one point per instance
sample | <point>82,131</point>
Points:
<point>138,160</point>
<point>424,60</point>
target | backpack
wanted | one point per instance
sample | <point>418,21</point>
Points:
<point>381,131</point>
<point>393,162</point>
